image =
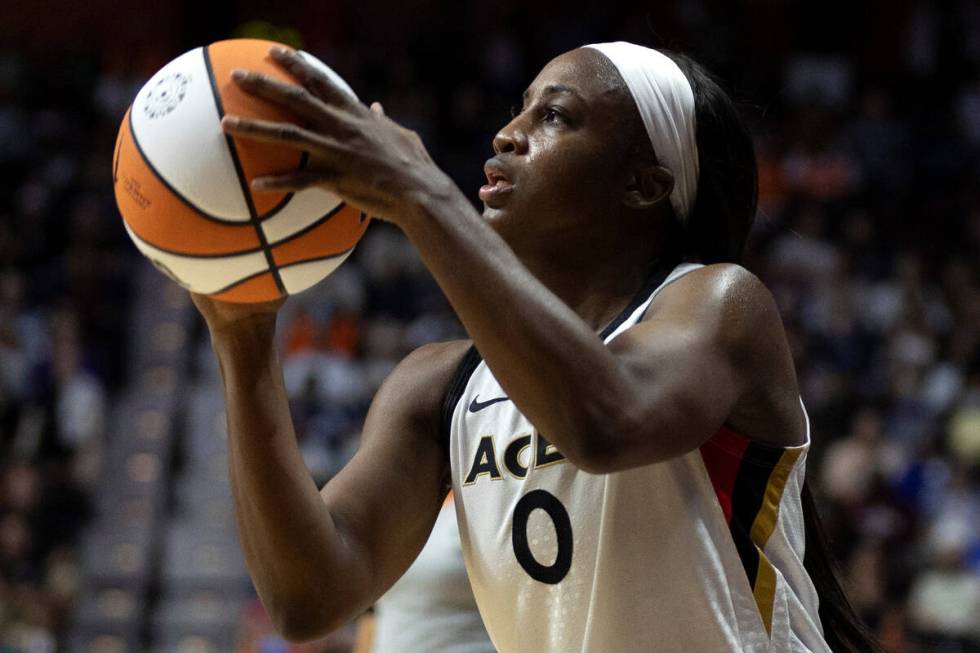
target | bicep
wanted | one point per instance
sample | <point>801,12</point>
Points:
<point>385,502</point>
<point>690,364</point>
<point>684,387</point>
<point>386,499</point>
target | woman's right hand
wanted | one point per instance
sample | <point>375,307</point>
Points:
<point>225,317</point>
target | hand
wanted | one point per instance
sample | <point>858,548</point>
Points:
<point>355,152</point>
<point>224,317</point>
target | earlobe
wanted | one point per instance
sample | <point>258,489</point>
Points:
<point>648,187</point>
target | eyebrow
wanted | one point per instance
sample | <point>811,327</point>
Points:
<point>553,89</point>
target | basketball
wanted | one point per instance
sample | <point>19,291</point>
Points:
<point>183,186</point>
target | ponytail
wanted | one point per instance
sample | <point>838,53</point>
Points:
<point>718,225</point>
<point>842,628</point>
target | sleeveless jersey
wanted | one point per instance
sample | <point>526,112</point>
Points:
<point>431,607</point>
<point>701,553</point>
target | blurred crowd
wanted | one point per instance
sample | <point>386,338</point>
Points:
<point>64,270</point>
<point>867,123</point>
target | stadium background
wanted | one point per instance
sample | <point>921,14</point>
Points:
<point>116,531</point>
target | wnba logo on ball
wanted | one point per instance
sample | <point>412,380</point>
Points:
<point>164,96</point>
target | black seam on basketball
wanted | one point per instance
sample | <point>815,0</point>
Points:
<point>285,200</point>
<point>277,208</point>
<point>174,191</point>
<point>312,259</point>
<point>158,263</point>
<point>242,181</point>
<point>174,252</point>
<point>313,225</point>
<point>238,283</point>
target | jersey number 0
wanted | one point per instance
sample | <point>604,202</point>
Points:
<point>541,499</point>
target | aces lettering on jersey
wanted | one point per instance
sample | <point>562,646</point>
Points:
<point>517,458</point>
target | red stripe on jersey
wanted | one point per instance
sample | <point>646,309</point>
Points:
<point>722,456</point>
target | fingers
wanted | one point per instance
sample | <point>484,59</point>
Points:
<point>377,109</point>
<point>295,181</point>
<point>311,77</point>
<point>278,133</point>
<point>297,98</point>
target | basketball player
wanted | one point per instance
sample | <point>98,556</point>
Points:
<point>624,433</point>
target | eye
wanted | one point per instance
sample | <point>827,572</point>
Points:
<point>552,114</point>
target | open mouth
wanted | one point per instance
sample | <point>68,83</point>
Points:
<point>498,185</point>
<point>497,179</point>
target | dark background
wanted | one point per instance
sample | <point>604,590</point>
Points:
<point>867,124</point>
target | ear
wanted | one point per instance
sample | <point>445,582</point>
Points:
<point>648,187</point>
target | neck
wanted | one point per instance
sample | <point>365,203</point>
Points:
<point>595,281</point>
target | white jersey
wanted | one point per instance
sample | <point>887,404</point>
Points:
<point>431,608</point>
<point>701,553</point>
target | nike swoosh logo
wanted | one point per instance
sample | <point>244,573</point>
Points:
<point>476,405</point>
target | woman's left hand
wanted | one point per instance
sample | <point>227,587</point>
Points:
<point>356,152</point>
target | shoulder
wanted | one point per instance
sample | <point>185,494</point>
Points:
<point>737,317</point>
<point>724,299</point>
<point>718,285</point>
<point>418,384</point>
<point>433,362</point>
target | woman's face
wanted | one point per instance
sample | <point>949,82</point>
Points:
<point>560,164</point>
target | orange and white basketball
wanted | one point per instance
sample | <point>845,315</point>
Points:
<point>183,185</point>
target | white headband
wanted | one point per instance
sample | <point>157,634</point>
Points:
<point>666,102</point>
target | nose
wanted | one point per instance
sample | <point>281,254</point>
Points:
<point>511,139</point>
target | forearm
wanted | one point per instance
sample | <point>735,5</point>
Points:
<point>548,360</point>
<point>294,551</point>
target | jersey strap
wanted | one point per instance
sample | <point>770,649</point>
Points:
<point>659,272</point>
<point>455,390</point>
